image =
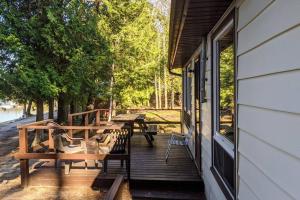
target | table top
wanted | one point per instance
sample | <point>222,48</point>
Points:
<point>111,125</point>
<point>126,117</point>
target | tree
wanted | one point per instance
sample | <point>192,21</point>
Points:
<point>52,49</point>
<point>227,78</point>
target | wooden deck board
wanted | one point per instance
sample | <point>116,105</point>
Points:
<point>147,164</point>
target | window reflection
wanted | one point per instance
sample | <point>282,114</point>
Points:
<point>226,86</point>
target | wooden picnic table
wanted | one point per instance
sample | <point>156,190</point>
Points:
<point>130,119</point>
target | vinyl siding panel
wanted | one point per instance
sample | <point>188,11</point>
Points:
<point>277,91</point>
<point>212,190</point>
<point>245,192</point>
<point>280,54</point>
<point>268,100</point>
<point>275,128</point>
<point>249,9</point>
<point>276,18</point>
<point>257,181</point>
<point>268,167</point>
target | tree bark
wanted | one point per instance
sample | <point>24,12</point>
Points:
<point>73,107</point>
<point>165,88</point>
<point>39,110</point>
<point>111,99</point>
<point>165,72</point>
<point>172,92</point>
<point>159,92</point>
<point>63,111</point>
<point>156,93</point>
<point>28,110</point>
<point>39,117</point>
<point>24,109</point>
<point>51,108</point>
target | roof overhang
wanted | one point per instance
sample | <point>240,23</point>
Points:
<point>190,20</point>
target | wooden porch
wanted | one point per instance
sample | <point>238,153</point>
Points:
<point>150,176</point>
<point>147,164</point>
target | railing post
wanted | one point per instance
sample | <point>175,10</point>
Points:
<point>24,164</point>
<point>181,121</point>
<point>86,123</point>
<point>98,118</point>
<point>50,138</point>
<point>70,123</point>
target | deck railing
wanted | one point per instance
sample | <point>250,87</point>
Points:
<point>92,121</point>
<point>96,116</point>
<point>27,152</point>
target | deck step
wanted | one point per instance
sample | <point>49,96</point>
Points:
<point>167,190</point>
<point>167,194</point>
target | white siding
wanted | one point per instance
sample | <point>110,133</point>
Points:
<point>277,91</point>
<point>245,192</point>
<point>272,57</point>
<point>249,9</point>
<point>268,99</point>
<point>277,18</point>
<point>212,190</point>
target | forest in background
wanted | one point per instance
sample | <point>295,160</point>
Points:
<point>109,53</point>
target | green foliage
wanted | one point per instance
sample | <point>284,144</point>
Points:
<point>52,48</point>
<point>227,78</point>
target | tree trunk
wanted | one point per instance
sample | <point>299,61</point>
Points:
<point>111,99</point>
<point>62,112</point>
<point>39,110</point>
<point>156,93</point>
<point>51,108</point>
<point>165,73</point>
<point>24,109</point>
<point>172,93</point>
<point>159,92</point>
<point>73,107</point>
<point>165,88</point>
<point>28,111</point>
<point>39,117</point>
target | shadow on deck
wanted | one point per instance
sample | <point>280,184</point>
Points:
<point>151,176</point>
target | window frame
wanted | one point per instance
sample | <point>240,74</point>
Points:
<point>223,141</point>
<point>187,94</point>
<point>228,23</point>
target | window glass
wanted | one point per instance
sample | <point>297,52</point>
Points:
<point>224,165</point>
<point>224,103</point>
<point>226,86</point>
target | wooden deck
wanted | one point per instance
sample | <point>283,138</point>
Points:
<point>147,164</point>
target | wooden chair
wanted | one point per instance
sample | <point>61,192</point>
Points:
<point>180,140</point>
<point>63,143</point>
<point>147,130</point>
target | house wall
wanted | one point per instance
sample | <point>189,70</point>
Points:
<point>212,189</point>
<point>268,99</point>
<point>268,103</point>
<point>192,115</point>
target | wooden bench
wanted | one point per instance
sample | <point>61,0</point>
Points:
<point>114,189</point>
<point>119,151</point>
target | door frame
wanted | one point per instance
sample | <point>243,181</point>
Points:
<point>201,56</point>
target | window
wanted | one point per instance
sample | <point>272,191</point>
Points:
<point>224,106</point>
